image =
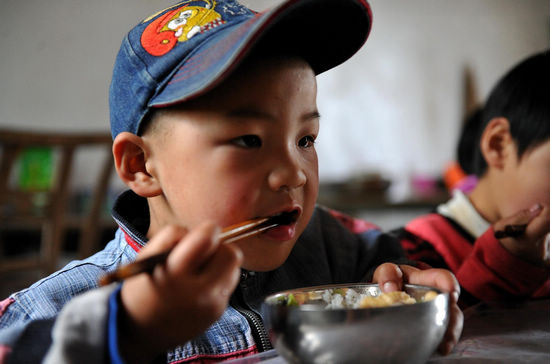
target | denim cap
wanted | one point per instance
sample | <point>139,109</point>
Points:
<point>187,49</point>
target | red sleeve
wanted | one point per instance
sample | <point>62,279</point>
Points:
<point>483,267</point>
<point>490,272</point>
<point>420,250</point>
<point>432,239</point>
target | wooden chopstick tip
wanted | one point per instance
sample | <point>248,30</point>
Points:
<point>511,231</point>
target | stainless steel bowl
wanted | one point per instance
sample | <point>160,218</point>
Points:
<point>310,333</point>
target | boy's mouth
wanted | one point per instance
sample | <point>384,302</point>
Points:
<point>285,227</point>
<point>285,217</point>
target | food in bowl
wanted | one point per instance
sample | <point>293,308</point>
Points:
<point>347,297</point>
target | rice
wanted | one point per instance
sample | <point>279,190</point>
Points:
<point>342,298</point>
<point>349,298</point>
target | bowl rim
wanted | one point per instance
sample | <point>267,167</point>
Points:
<point>271,300</point>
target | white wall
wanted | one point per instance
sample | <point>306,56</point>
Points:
<point>57,58</point>
<point>394,108</point>
<point>398,107</point>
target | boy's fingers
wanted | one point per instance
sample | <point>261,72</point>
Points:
<point>166,239</point>
<point>446,282</point>
<point>539,225</point>
<point>531,244</point>
<point>195,249</point>
<point>224,268</point>
<point>454,330</point>
<point>438,278</point>
<point>389,277</point>
<point>523,217</point>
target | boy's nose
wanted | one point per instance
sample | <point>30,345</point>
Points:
<point>287,173</point>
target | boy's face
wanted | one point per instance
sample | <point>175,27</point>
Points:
<point>241,151</point>
<point>525,181</point>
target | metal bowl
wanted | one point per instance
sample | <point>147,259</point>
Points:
<point>311,333</point>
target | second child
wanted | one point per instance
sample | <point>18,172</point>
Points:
<point>495,238</point>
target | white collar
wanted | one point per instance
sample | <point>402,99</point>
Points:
<point>460,209</point>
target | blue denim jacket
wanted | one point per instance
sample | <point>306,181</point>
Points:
<point>47,296</point>
<point>333,249</point>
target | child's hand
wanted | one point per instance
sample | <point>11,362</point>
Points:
<point>391,277</point>
<point>181,298</point>
<point>533,244</point>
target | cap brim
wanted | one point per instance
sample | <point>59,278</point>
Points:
<point>323,32</point>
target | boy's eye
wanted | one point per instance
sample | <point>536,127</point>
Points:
<point>307,141</point>
<point>248,141</point>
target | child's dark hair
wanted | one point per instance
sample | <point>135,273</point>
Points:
<point>523,97</point>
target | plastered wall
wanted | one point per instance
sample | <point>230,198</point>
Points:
<point>395,108</point>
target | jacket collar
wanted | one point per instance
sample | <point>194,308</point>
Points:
<point>131,213</point>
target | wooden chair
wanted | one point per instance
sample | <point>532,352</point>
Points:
<point>18,207</point>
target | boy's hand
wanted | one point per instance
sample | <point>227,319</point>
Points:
<point>532,242</point>
<point>391,277</point>
<point>182,297</point>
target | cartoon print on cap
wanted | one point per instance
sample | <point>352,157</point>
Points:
<point>179,25</point>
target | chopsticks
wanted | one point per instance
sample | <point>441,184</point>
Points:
<point>229,234</point>
<point>511,231</point>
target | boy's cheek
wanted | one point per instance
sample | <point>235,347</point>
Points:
<point>523,194</point>
<point>239,203</point>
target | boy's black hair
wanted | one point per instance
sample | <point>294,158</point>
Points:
<point>523,97</point>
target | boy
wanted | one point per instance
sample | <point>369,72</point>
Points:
<point>495,238</point>
<point>214,119</point>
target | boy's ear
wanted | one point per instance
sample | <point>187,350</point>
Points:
<point>130,155</point>
<point>497,143</point>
